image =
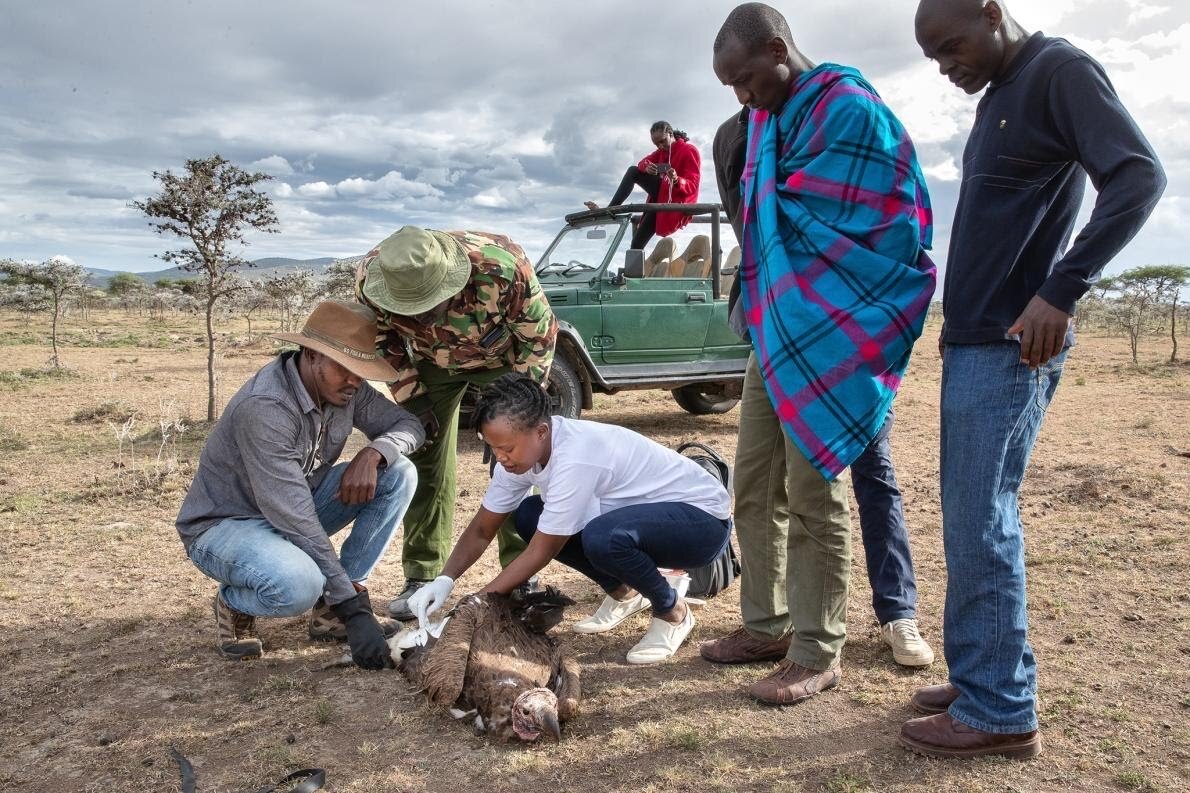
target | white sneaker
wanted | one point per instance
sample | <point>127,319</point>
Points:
<point>661,640</point>
<point>909,649</point>
<point>611,612</point>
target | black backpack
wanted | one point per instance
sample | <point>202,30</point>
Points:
<point>709,580</point>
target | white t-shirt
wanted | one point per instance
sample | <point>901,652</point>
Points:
<point>595,468</point>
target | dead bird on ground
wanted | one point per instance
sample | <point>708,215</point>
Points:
<point>495,665</point>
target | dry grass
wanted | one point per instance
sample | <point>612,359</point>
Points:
<point>108,658</point>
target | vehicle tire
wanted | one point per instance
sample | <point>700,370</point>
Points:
<point>565,389</point>
<point>694,399</point>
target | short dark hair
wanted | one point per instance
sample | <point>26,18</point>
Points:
<point>753,25</point>
<point>516,397</point>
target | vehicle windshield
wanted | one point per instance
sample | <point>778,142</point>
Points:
<point>578,249</point>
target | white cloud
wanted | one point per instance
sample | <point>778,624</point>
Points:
<point>1142,10</point>
<point>316,190</point>
<point>275,165</point>
<point>945,171</point>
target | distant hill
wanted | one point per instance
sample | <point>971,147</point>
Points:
<point>261,268</point>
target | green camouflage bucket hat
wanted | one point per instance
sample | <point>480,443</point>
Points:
<point>416,269</point>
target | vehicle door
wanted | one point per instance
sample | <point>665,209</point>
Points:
<point>664,315</point>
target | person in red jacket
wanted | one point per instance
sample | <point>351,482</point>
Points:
<point>669,175</point>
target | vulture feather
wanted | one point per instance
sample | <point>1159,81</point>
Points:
<point>495,661</point>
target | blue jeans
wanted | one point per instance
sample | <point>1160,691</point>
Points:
<point>627,545</point>
<point>882,524</point>
<point>263,574</point>
<point>992,409</point>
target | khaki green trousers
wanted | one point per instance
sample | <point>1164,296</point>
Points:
<point>430,519</point>
<point>794,531</point>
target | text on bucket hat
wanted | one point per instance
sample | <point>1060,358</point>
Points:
<point>345,333</point>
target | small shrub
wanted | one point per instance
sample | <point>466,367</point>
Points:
<point>23,377</point>
<point>11,440</point>
<point>104,411</point>
<point>843,782</point>
<point>1133,780</point>
<point>324,711</point>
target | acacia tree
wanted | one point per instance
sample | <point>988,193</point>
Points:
<point>49,286</point>
<point>211,206</point>
<point>253,297</point>
<point>129,289</point>
<point>1168,281</point>
<point>340,279</point>
<point>1143,293</point>
<point>290,292</point>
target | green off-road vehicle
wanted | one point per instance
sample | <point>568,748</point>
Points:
<point>656,318</point>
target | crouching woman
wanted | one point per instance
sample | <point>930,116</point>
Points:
<point>613,505</point>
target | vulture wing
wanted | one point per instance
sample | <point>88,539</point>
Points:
<point>446,668</point>
<point>566,685</point>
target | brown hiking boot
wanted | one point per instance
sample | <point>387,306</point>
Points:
<point>942,736</point>
<point>934,699</point>
<point>740,647</point>
<point>235,633</point>
<point>791,683</point>
<point>325,626</point>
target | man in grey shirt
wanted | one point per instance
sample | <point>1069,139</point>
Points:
<point>268,493</point>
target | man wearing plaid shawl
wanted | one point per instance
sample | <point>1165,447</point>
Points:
<point>835,285</point>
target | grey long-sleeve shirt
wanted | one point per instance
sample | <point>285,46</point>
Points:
<point>270,451</point>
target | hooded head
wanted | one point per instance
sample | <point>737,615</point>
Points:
<point>536,712</point>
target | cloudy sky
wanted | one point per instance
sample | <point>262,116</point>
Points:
<point>500,115</point>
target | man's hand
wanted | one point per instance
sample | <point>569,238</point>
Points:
<point>430,598</point>
<point>358,485</point>
<point>1043,331</point>
<point>368,648</point>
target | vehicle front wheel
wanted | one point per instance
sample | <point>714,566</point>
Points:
<point>701,401</point>
<point>565,389</point>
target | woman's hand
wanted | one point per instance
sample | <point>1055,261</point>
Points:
<point>651,168</point>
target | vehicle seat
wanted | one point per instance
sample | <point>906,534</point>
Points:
<point>729,271</point>
<point>695,261</point>
<point>657,262</point>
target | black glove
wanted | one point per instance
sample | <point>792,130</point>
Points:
<point>369,650</point>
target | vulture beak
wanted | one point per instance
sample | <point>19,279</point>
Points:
<point>550,726</point>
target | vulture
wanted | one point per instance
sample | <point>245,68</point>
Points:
<point>494,663</point>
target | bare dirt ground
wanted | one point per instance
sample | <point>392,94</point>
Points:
<point>107,656</point>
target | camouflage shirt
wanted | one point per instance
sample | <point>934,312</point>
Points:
<point>501,318</point>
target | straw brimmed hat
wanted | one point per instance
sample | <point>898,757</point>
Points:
<point>345,333</point>
<point>416,269</point>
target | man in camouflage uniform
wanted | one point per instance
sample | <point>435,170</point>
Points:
<point>455,309</point>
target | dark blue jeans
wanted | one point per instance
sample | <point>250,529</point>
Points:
<point>882,524</point>
<point>627,545</point>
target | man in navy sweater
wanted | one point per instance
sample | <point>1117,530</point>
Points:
<point>1048,119</point>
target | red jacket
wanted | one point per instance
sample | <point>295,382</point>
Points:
<point>687,164</point>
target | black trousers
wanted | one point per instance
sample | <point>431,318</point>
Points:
<point>651,183</point>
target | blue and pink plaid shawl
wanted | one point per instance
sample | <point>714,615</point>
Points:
<point>835,279</point>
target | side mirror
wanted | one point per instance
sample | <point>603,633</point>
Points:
<point>634,263</point>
